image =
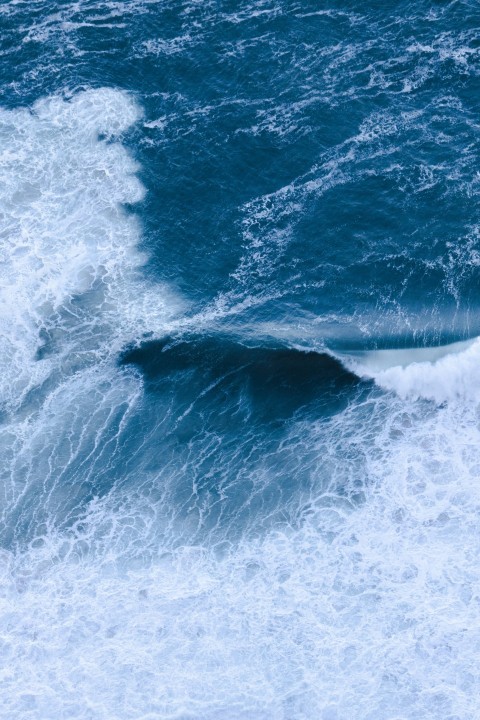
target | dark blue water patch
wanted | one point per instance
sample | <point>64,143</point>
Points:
<point>272,384</point>
<point>369,242</point>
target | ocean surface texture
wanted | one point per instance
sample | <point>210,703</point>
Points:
<point>239,360</point>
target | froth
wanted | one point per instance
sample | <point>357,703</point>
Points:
<point>68,247</point>
<point>359,612</point>
<point>444,374</point>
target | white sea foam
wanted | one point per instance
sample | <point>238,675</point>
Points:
<point>444,373</point>
<point>360,612</point>
<point>68,249</point>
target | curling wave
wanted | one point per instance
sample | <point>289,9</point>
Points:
<point>444,373</point>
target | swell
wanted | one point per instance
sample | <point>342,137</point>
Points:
<point>282,378</point>
<point>286,371</point>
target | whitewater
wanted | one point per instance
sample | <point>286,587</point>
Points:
<point>239,361</point>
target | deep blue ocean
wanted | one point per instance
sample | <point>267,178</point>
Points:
<point>239,360</point>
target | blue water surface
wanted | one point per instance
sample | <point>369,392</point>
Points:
<point>193,462</point>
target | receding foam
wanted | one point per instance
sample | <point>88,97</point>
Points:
<point>366,612</point>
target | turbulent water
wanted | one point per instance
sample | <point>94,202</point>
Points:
<point>239,360</point>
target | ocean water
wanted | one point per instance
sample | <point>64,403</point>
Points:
<point>239,360</point>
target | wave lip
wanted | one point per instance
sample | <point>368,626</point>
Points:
<point>444,373</point>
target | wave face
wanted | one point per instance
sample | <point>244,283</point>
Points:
<point>239,321</point>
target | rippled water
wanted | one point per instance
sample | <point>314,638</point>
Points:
<point>239,365</point>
